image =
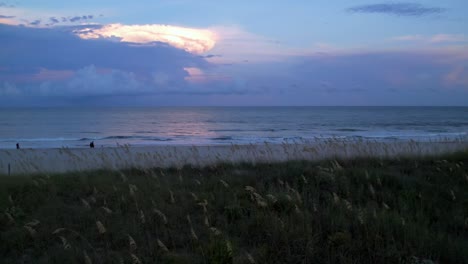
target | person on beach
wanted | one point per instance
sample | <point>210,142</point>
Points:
<point>17,146</point>
<point>91,145</point>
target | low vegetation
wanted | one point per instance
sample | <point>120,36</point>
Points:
<point>336,211</point>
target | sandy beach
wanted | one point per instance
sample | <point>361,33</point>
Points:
<point>79,159</point>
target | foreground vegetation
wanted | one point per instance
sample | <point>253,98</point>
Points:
<point>353,211</point>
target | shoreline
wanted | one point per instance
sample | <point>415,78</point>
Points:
<point>144,157</point>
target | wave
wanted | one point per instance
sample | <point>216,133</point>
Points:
<point>349,130</point>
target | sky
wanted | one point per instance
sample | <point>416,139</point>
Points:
<point>233,53</point>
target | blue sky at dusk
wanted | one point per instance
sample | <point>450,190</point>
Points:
<point>185,52</point>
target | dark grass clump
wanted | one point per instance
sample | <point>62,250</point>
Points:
<point>350,211</point>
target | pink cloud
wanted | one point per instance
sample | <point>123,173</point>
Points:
<point>458,77</point>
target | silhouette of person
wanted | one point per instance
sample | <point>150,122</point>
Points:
<point>17,146</point>
<point>91,145</point>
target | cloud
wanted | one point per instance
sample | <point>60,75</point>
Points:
<point>397,9</point>
<point>192,40</point>
<point>239,46</point>
<point>434,39</point>
<point>60,63</point>
<point>2,16</point>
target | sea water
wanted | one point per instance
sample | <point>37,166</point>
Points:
<point>77,127</point>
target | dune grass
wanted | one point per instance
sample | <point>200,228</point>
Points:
<point>345,211</point>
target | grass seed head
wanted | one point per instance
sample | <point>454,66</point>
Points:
<point>106,209</point>
<point>225,184</point>
<point>100,227</point>
<point>132,244</point>
<point>31,230</point>
<point>85,204</point>
<point>215,231</point>
<point>250,189</point>
<point>10,218</point>
<point>135,259</point>
<point>193,234</point>
<point>207,221</point>
<point>65,243</point>
<point>142,217</point>
<point>161,215</point>
<point>162,246</point>
<point>172,197</point>
<point>250,258</point>
<point>86,257</point>
<point>194,196</point>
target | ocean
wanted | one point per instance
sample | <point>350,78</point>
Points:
<point>77,127</point>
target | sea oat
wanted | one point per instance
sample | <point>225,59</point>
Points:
<point>336,198</point>
<point>215,231</point>
<point>142,217</point>
<point>371,189</point>
<point>135,259</point>
<point>65,243</point>
<point>107,210</point>
<point>162,246</point>
<point>385,206</point>
<point>304,179</point>
<point>348,205</point>
<point>225,184</point>
<point>58,230</point>
<point>193,234</point>
<point>250,189</point>
<point>31,230</point>
<point>250,258</point>
<point>85,203</point>
<point>100,227</point>
<point>453,195</point>
<point>207,222</point>
<point>172,197</point>
<point>132,244</point>
<point>161,215</point>
<point>194,196</point>
<point>272,198</point>
<point>87,259</point>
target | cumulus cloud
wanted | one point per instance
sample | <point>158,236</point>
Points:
<point>53,61</point>
<point>192,40</point>
<point>397,9</point>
